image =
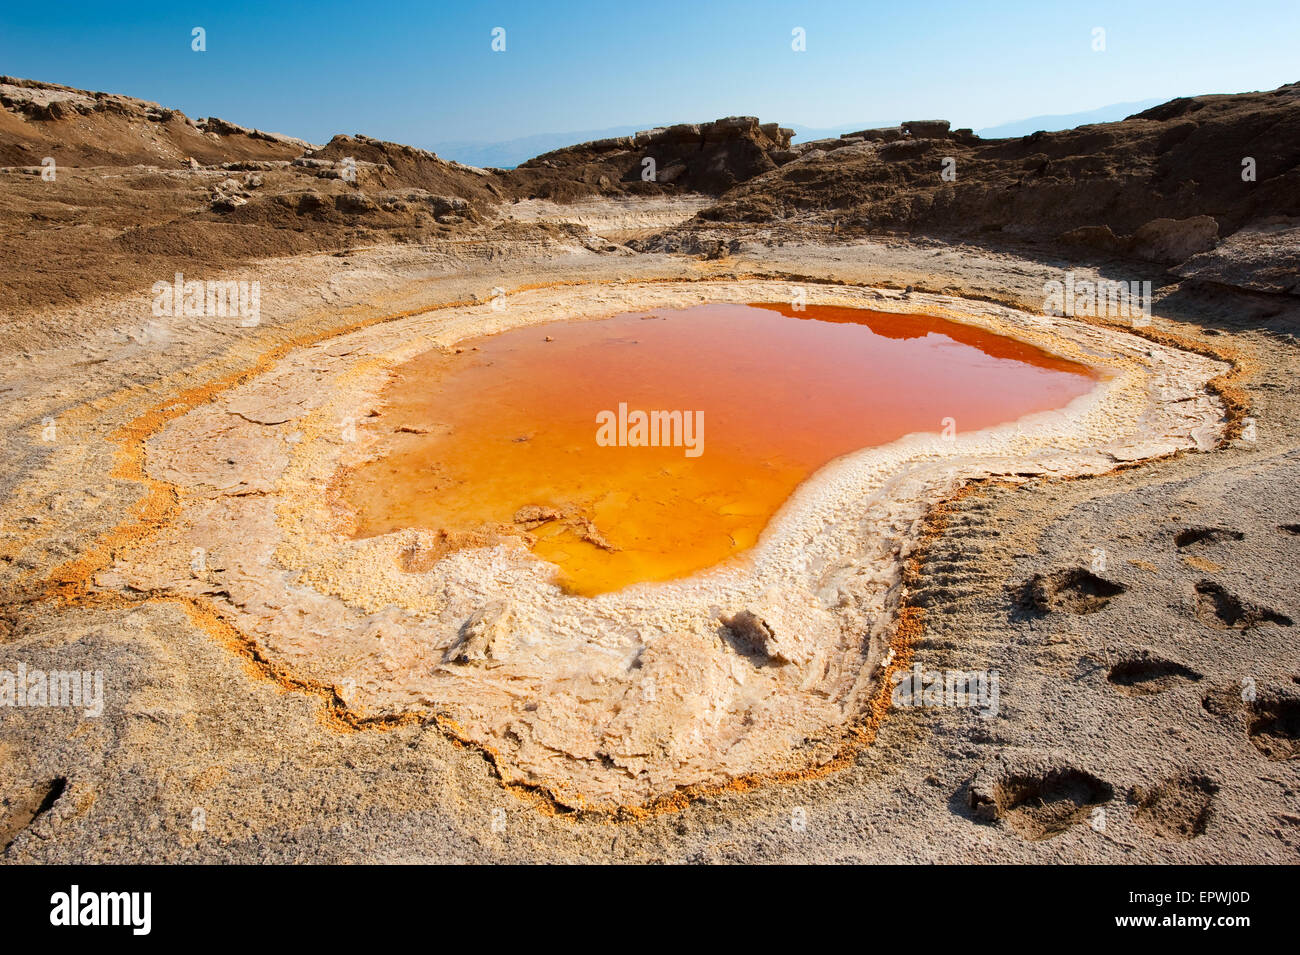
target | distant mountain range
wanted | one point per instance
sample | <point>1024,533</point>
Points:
<point>509,153</point>
<point>1103,114</point>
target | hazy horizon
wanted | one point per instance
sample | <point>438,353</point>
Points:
<point>510,152</point>
<point>427,75</point>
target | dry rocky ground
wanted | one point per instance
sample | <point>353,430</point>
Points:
<point>1141,621</point>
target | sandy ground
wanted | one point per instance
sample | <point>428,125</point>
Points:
<point>1140,621</point>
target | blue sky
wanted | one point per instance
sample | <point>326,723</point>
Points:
<point>424,73</point>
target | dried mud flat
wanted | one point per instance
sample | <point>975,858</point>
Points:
<point>1120,688</point>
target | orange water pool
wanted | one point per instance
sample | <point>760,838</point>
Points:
<point>534,433</point>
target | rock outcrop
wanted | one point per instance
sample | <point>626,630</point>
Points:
<point>1263,257</point>
<point>690,157</point>
<point>1165,185</point>
<point>82,128</point>
<point>1232,158</point>
<point>111,192</point>
<point>1172,240</point>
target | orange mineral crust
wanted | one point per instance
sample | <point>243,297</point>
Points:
<point>648,446</point>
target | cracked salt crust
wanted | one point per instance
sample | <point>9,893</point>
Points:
<point>627,697</point>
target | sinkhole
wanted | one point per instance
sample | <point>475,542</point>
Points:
<point>652,445</point>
